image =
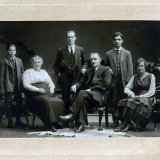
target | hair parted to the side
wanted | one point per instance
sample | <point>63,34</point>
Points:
<point>9,45</point>
<point>35,57</point>
<point>95,53</point>
<point>138,61</point>
<point>117,34</point>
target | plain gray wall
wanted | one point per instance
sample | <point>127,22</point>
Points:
<point>142,38</point>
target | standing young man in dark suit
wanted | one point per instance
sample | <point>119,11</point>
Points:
<point>91,85</point>
<point>69,66</point>
<point>11,69</point>
<point>120,61</point>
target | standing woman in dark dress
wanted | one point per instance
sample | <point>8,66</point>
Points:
<point>39,88</point>
<point>135,111</point>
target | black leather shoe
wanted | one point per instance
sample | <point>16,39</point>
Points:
<point>20,124</point>
<point>117,129</point>
<point>53,129</point>
<point>80,129</point>
<point>68,117</point>
<point>115,124</point>
<point>11,125</point>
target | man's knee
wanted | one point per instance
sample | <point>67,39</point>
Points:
<point>82,93</point>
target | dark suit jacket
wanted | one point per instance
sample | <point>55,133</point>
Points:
<point>61,62</point>
<point>125,65</point>
<point>102,80</point>
<point>6,74</point>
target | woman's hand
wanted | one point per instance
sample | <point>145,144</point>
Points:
<point>131,96</point>
<point>51,90</point>
<point>41,90</point>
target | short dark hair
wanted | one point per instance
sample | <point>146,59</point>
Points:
<point>117,34</point>
<point>139,60</point>
<point>9,45</point>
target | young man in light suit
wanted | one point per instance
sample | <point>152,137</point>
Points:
<point>11,69</point>
<point>69,66</point>
<point>120,62</point>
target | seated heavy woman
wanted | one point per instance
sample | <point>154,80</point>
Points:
<point>135,111</point>
<point>39,89</point>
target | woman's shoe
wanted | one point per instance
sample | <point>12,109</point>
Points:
<point>129,127</point>
<point>120,128</point>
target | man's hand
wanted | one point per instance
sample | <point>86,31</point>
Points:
<point>59,74</point>
<point>51,90</point>
<point>83,71</point>
<point>74,88</point>
<point>88,90</point>
<point>111,71</point>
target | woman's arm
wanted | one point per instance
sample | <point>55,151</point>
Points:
<point>152,88</point>
<point>27,82</point>
<point>49,83</point>
<point>129,87</point>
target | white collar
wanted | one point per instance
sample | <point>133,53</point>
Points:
<point>73,46</point>
<point>96,68</point>
<point>118,49</point>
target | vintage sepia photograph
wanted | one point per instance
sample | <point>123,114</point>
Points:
<point>79,79</point>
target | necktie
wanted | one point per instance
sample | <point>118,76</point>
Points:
<point>12,62</point>
<point>71,51</point>
<point>117,51</point>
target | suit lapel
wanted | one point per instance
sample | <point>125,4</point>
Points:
<point>122,56</point>
<point>114,56</point>
<point>9,62</point>
<point>76,54</point>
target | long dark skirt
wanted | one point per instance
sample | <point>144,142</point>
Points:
<point>139,111</point>
<point>47,108</point>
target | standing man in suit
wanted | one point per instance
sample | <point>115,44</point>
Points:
<point>11,69</point>
<point>69,66</point>
<point>91,85</point>
<point>120,61</point>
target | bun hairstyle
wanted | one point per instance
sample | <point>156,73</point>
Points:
<point>35,57</point>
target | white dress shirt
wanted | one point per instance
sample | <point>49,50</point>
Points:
<point>151,91</point>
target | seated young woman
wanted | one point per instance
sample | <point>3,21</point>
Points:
<point>39,89</point>
<point>135,111</point>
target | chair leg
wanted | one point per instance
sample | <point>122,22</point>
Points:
<point>106,116</point>
<point>155,126</point>
<point>100,111</point>
<point>26,116</point>
<point>34,116</point>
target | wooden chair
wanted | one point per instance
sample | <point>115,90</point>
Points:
<point>103,109</point>
<point>156,110</point>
